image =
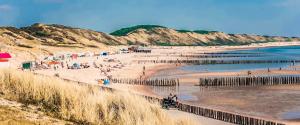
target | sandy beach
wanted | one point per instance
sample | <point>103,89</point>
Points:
<point>126,66</point>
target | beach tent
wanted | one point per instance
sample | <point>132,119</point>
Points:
<point>50,58</point>
<point>28,65</point>
<point>100,81</point>
<point>4,60</point>
<point>74,56</point>
<point>61,57</point>
<point>103,81</point>
<point>53,63</point>
<point>76,66</point>
<point>68,55</point>
<point>81,55</point>
<point>106,82</point>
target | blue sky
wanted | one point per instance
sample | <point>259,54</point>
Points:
<point>265,17</point>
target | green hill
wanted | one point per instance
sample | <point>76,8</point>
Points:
<point>197,31</point>
<point>125,31</point>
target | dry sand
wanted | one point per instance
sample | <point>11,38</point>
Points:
<point>14,113</point>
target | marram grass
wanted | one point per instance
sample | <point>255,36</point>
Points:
<point>82,104</point>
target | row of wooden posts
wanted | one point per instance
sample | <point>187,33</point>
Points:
<point>219,56</point>
<point>206,55</point>
<point>149,82</point>
<point>219,115</point>
<point>249,80</point>
<point>203,62</point>
<point>225,116</point>
<point>205,112</point>
<point>229,53</point>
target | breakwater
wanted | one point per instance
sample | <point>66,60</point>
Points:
<point>249,80</point>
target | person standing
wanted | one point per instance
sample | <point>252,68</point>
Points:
<point>144,69</point>
<point>62,64</point>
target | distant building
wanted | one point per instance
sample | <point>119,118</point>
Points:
<point>4,60</point>
<point>142,50</point>
<point>124,50</point>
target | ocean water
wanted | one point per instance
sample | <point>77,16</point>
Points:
<point>292,115</point>
<point>271,53</point>
<point>278,102</point>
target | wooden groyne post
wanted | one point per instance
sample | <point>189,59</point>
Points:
<point>225,116</point>
<point>205,62</point>
<point>219,115</point>
<point>149,82</point>
<point>249,80</point>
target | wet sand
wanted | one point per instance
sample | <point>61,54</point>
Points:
<point>270,102</point>
<point>198,119</point>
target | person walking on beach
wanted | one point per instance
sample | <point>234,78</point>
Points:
<point>170,96</point>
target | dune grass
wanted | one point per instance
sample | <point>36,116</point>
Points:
<point>81,104</point>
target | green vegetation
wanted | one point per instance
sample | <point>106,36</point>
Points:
<point>163,43</point>
<point>125,31</point>
<point>289,39</point>
<point>204,31</point>
<point>197,31</point>
<point>25,46</point>
<point>211,43</point>
<point>42,33</point>
<point>130,43</point>
<point>93,46</point>
<point>184,31</point>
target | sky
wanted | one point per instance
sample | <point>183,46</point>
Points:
<point>263,17</point>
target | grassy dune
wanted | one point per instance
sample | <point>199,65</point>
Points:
<point>81,104</point>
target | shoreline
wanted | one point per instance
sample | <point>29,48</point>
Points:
<point>159,68</point>
<point>274,71</point>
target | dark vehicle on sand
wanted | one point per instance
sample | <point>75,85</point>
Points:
<point>170,102</point>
